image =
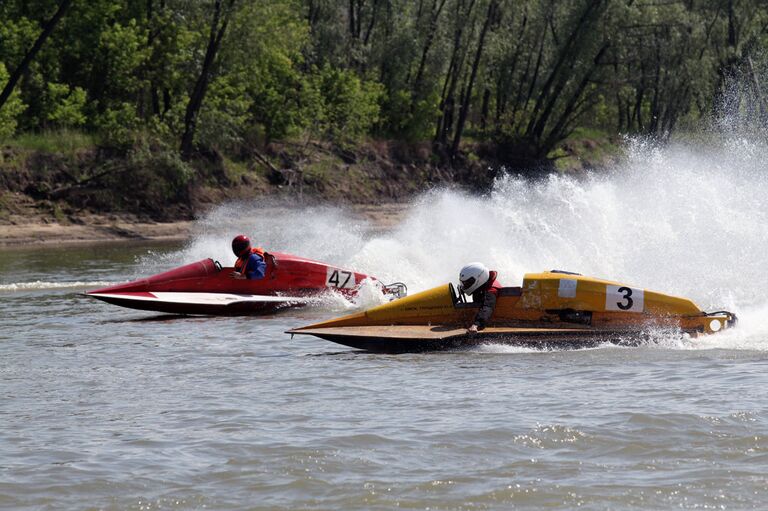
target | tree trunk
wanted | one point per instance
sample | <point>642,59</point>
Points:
<point>153,92</point>
<point>655,99</point>
<point>522,102</point>
<point>351,16</point>
<point>371,23</point>
<point>313,14</point>
<point>556,81</point>
<point>557,133</point>
<point>448,99</point>
<point>484,110</point>
<point>434,16</point>
<point>464,109</point>
<point>32,53</point>
<point>507,75</point>
<point>201,86</point>
<point>732,40</point>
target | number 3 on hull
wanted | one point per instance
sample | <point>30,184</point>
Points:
<point>623,299</point>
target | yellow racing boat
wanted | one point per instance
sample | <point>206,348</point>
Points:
<point>550,309</point>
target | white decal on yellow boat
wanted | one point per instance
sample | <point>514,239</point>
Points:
<point>623,299</point>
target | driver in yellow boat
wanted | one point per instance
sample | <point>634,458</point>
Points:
<point>480,282</point>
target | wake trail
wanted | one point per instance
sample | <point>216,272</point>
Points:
<point>42,285</point>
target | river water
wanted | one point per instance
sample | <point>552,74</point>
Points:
<point>108,408</point>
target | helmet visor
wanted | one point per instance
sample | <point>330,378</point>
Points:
<point>465,284</point>
<point>240,247</point>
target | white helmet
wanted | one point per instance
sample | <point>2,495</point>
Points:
<point>472,276</point>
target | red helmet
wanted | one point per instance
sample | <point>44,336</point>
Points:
<point>240,244</point>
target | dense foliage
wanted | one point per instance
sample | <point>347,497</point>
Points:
<point>233,74</point>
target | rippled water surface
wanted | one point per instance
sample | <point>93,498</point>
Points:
<point>108,408</point>
<point>116,409</point>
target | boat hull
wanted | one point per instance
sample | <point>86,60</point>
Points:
<point>217,304</point>
<point>207,288</point>
<point>399,339</point>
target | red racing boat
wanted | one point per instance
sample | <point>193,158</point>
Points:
<point>205,287</point>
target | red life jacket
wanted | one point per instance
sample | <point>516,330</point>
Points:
<point>493,285</point>
<point>242,261</point>
<point>487,305</point>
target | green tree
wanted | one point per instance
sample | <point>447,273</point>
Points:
<point>66,105</point>
<point>11,110</point>
<point>30,55</point>
<point>350,106</point>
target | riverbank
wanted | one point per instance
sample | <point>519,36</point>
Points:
<point>94,229</point>
<point>69,190</point>
<point>41,231</point>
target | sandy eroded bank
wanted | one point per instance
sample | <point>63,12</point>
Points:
<point>25,231</point>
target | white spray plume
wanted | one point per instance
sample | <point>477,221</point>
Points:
<point>677,220</point>
<point>689,220</point>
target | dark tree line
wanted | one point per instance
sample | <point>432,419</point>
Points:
<point>232,74</point>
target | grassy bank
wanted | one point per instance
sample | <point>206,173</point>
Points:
<point>66,176</point>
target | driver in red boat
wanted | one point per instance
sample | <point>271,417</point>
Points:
<point>480,282</point>
<point>250,262</point>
